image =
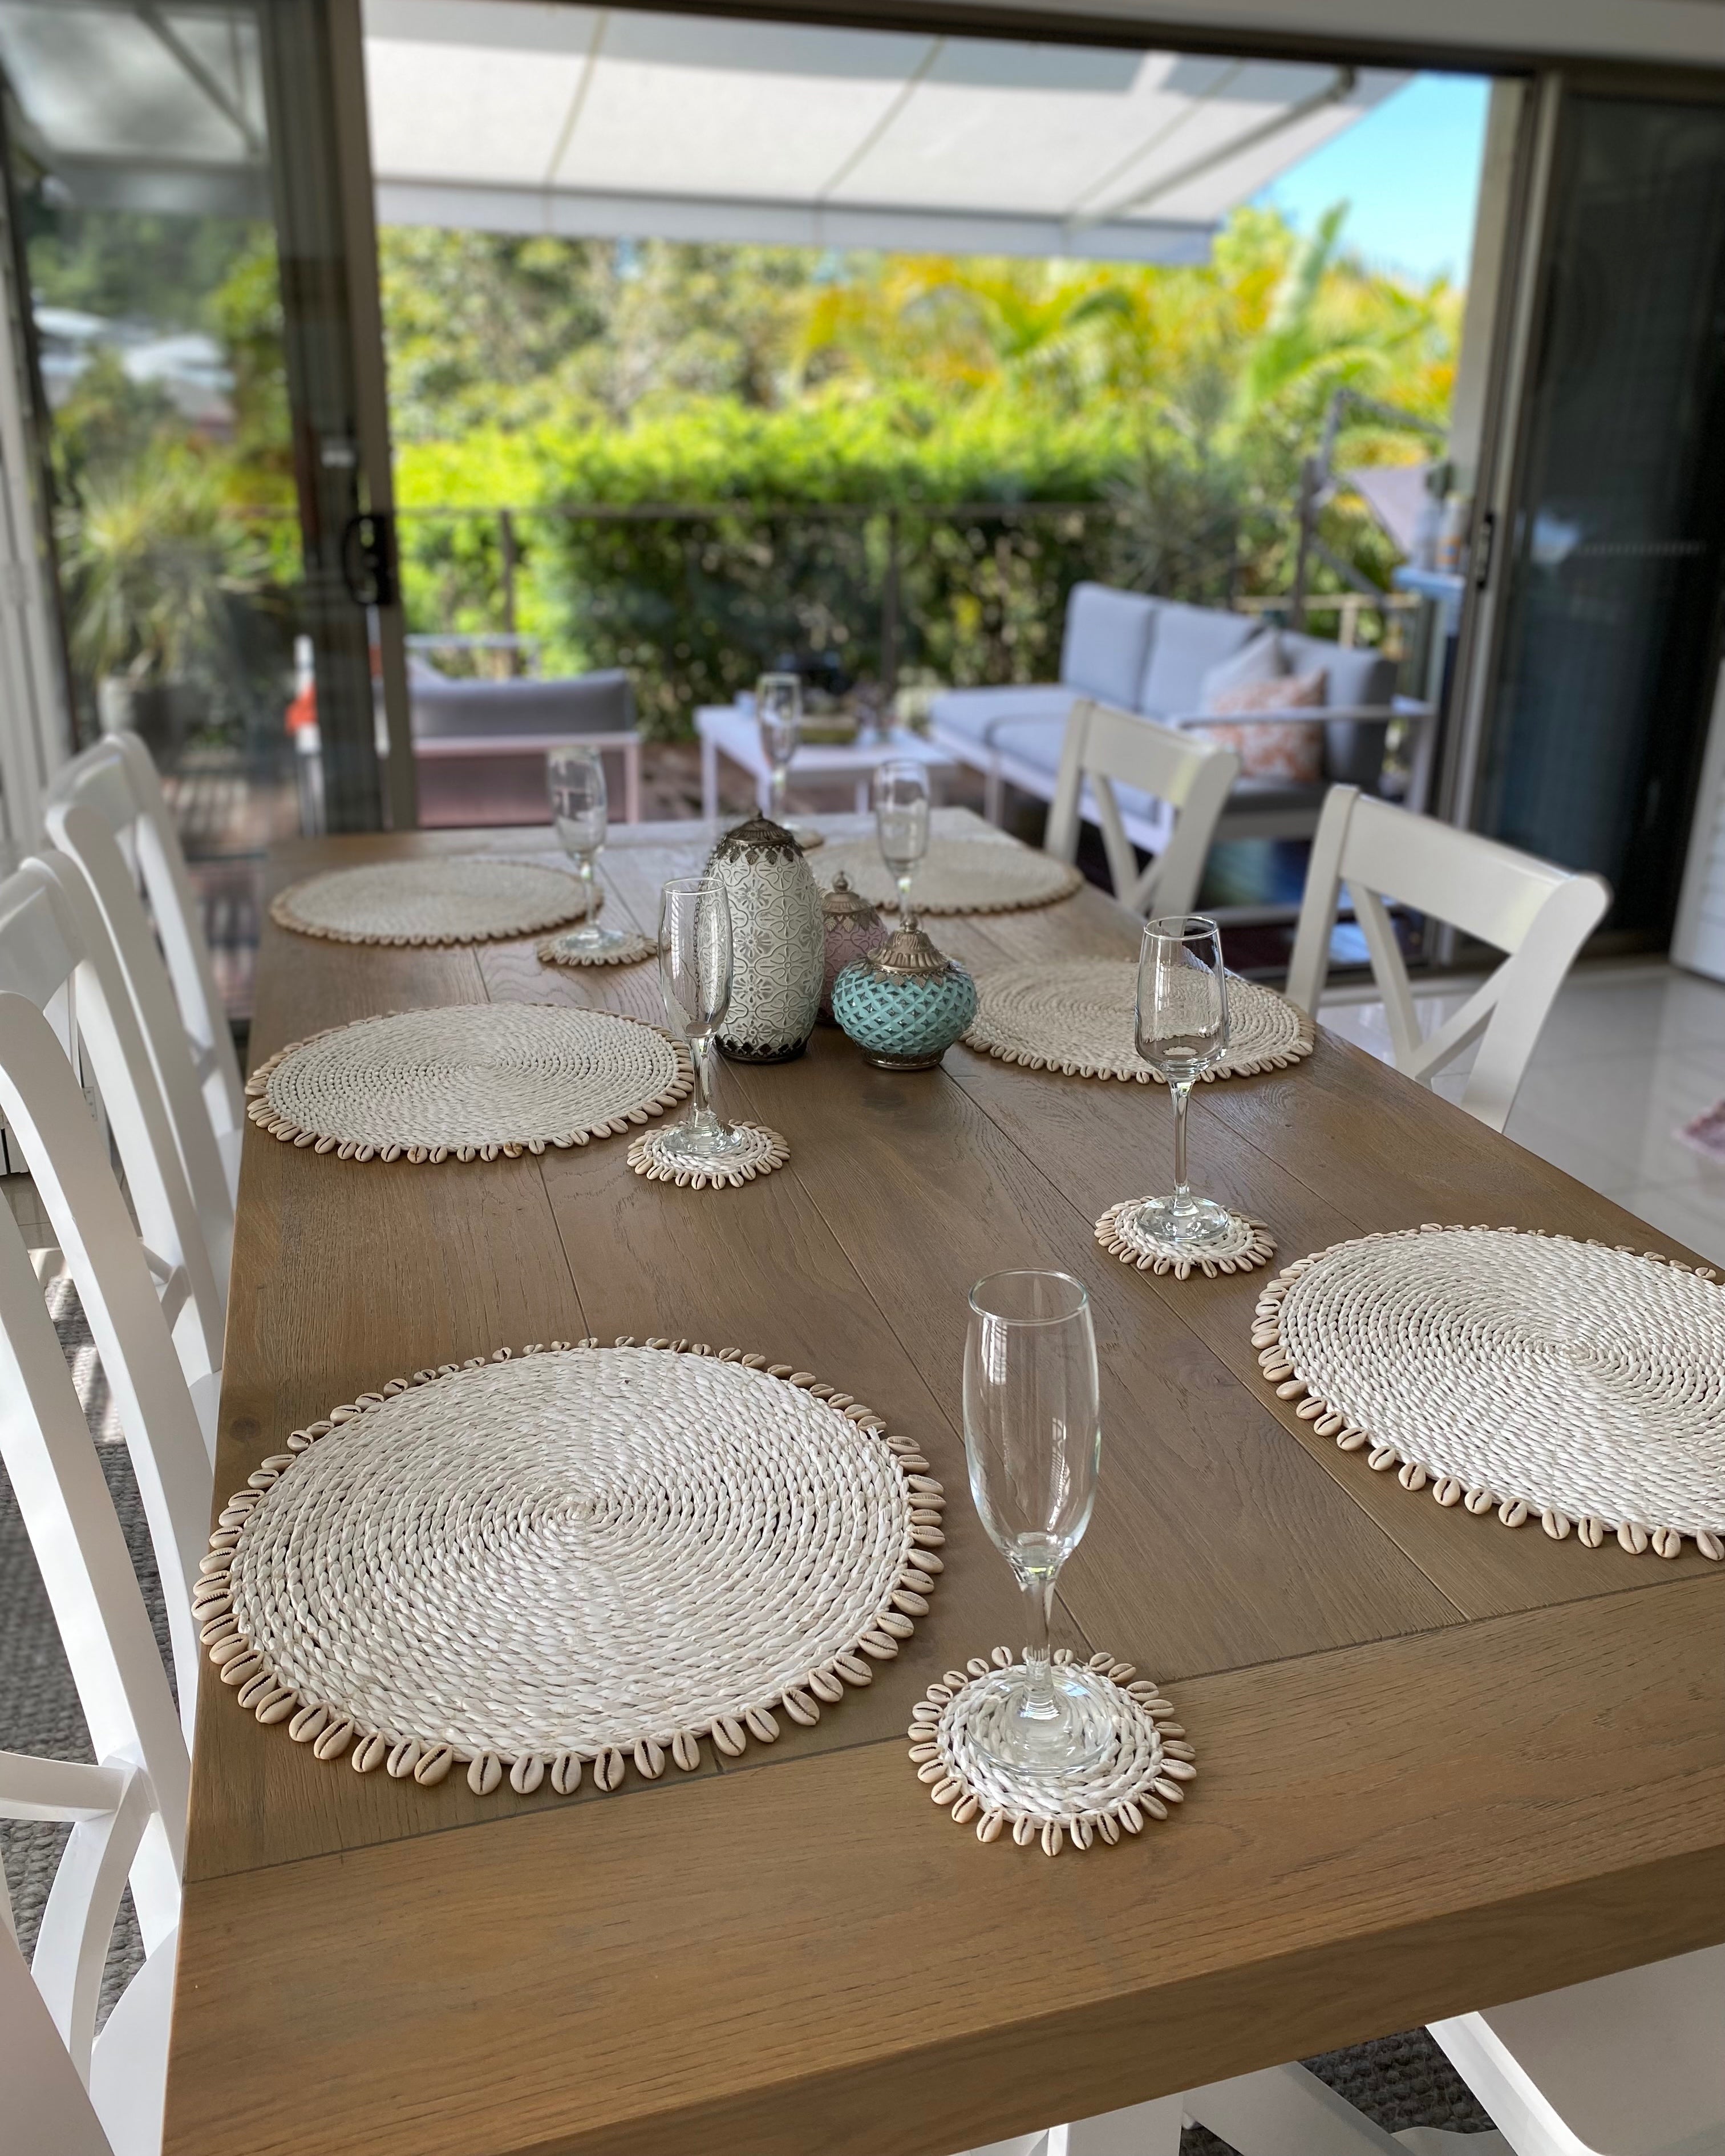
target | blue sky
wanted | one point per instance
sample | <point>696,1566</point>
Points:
<point>1409,169</point>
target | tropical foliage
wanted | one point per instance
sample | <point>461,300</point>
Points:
<point>715,455</point>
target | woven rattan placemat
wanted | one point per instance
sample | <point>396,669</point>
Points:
<point>957,875</point>
<point>470,1080</point>
<point>454,898</point>
<point>1516,1372</point>
<point>1075,1015</point>
<point>574,1556</point>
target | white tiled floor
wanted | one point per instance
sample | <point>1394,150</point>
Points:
<point>1628,1054</point>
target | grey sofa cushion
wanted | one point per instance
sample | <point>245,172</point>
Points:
<point>601,703</point>
<point>1038,745</point>
<point>1354,753</point>
<point>1109,636</point>
<point>973,714</point>
<point>1189,642</point>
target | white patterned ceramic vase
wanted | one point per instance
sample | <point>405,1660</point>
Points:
<point>777,942</point>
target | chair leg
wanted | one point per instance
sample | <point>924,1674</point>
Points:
<point>709,780</point>
<point>994,793</point>
<point>632,783</point>
<point>1285,2111</point>
<point>1141,2129</point>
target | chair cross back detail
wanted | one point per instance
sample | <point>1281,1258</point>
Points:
<point>1540,915</point>
<point>1103,746</point>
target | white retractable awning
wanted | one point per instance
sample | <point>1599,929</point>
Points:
<point>517,117</point>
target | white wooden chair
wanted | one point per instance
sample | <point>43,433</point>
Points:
<point>208,1147</point>
<point>55,950</point>
<point>171,1454</point>
<point>1280,2110</point>
<point>116,783</point>
<point>1630,2065</point>
<point>1104,747</point>
<point>1540,915</point>
<point>63,2087</point>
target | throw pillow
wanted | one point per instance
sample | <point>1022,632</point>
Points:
<point>1287,754</point>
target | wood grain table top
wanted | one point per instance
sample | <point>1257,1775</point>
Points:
<point>1441,1764</point>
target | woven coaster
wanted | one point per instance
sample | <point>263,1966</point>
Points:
<point>656,1154</point>
<point>470,1080</point>
<point>1248,1247</point>
<point>451,900</point>
<point>563,951</point>
<point>1517,1372</point>
<point>1076,1015</point>
<point>573,1556</point>
<point>955,875</point>
<point>1139,1777</point>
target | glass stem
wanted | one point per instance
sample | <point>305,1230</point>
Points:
<point>701,1051</point>
<point>1181,1088</point>
<point>586,891</point>
<point>904,895</point>
<point>781,774</point>
<point>1041,1704</point>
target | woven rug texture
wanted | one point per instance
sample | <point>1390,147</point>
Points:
<point>1396,2081</point>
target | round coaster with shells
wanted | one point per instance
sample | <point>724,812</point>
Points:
<point>564,950</point>
<point>448,899</point>
<point>1142,1775</point>
<point>657,1154</point>
<point>1248,1246</point>
<point>575,1558</point>
<point>1513,1372</point>
<point>1076,1015</point>
<point>468,1080</point>
<point>955,875</point>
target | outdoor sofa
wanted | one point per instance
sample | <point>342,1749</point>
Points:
<point>1152,656</point>
<point>473,737</point>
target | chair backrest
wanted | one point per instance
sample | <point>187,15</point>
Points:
<point>128,1811</point>
<point>86,840</point>
<point>1192,776</point>
<point>117,780</point>
<point>45,1111</point>
<point>55,950</point>
<point>1540,915</point>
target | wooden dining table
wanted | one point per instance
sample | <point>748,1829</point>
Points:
<point>1441,1764</point>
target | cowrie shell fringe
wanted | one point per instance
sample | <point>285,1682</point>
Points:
<point>1615,1276</point>
<point>1147,1772</point>
<point>633,948</point>
<point>331,1735</point>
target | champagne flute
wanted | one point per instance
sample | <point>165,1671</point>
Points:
<point>1182,1026</point>
<point>695,981</point>
<point>779,713</point>
<point>575,783</point>
<point>1033,1437</point>
<point>901,821</point>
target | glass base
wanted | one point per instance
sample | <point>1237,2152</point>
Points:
<point>593,938</point>
<point>1193,1225</point>
<point>1078,1733</point>
<point>705,1137</point>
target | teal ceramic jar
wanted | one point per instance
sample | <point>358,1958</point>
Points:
<point>905,1004</point>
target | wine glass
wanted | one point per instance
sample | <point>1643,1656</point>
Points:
<point>901,821</point>
<point>575,783</point>
<point>695,981</point>
<point>1033,1437</point>
<point>1181,1031</point>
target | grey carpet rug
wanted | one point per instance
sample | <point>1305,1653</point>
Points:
<point>1396,2081</point>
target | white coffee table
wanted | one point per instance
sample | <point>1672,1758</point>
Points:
<point>729,730</point>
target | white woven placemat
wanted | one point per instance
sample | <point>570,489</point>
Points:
<point>955,875</point>
<point>576,1556</point>
<point>1075,1015</point>
<point>1140,1775</point>
<point>1512,1371</point>
<point>456,899</point>
<point>470,1080</point>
